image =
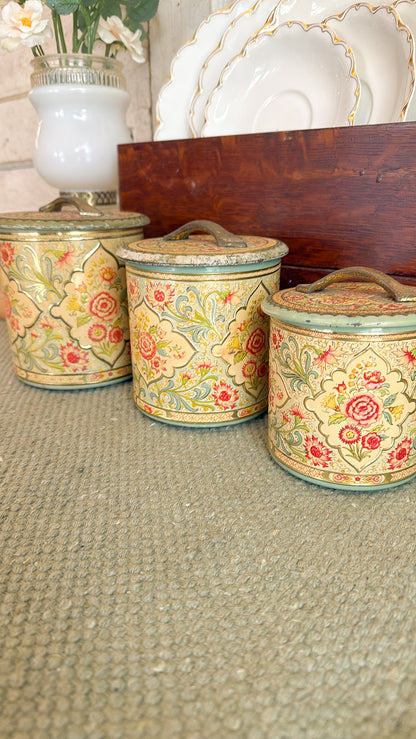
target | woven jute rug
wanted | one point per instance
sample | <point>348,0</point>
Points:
<point>164,582</point>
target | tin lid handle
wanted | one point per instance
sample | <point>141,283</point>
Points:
<point>83,208</point>
<point>221,235</point>
<point>400,293</point>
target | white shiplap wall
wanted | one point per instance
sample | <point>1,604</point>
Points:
<point>21,188</point>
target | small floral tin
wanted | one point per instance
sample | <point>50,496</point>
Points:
<point>199,336</point>
<point>65,293</point>
<point>342,396</point>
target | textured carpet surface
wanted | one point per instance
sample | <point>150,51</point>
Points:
<point>167,582</point>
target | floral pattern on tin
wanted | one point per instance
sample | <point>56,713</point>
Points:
<point>245,350</point>
<point>199,347</point>
<point>194,389</point>
<point>361,409</point>
<point>346,298</point>
<point>93,307</point>
<point>21,311</point>
<point>342,410</point>
<point>73,358</point>
<point>157,349</point>
<point>6,254</point>
<point>36,279</point>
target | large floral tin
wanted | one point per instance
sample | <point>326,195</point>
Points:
<point>65,293</point>
<point>199,336</point>
<point>342,396</point>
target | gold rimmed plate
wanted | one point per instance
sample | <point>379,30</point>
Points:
<point>295,76</point>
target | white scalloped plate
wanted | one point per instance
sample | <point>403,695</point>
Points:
<point>309,11</point>
<point>172,107</point>
<point>292,77</point>
<point>407,13</point>
<point>231,43</point>
<point>383,50</point>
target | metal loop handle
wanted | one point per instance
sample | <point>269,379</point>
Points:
<point>221,235</point>
<point>83,208</point>
<point>400,293</point>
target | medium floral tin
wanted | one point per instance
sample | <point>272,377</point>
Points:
<point>342,396</point>
<point>65,293</point>
<point>199,336</point>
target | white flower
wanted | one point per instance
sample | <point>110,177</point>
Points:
<point>113,30</point>
<point>23,24</point>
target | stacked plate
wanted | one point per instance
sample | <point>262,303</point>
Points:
<point>295,64</point>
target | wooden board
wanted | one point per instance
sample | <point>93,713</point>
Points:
<point>338,197</point>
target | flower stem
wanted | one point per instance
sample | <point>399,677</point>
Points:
<point>75,40</point>
<point>84,36</point>
<point>93,32</point>
<point>37,50</point>
<point>55,26</point>
<point>61,34</point>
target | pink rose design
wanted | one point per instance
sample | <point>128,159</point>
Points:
<point>103,305</point>
<point>262,369</point>
<point>115,335</point>
<point>256,342</point>
<point>146,345</point>
<point>363,409</point>
<point>371,441</point>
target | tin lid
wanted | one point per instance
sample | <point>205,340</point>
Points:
<point>80,216</point>
<point>216,247</point>
<point>351,300</point>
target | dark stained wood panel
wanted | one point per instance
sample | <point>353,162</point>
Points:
<point>338,197</point>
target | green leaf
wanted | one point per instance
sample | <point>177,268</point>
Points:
<point>63,7</point>
<point>140,12</point>
<point>82,320</point>
<point>375,429</point>
<point>337,418</point>
<point>87,4</point>
<point>390,400</point>
<point>388,417</point>
<point>199,318</point>
<point>111,8</point>
<point>239,357</point>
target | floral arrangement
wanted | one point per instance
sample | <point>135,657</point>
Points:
<point>109,22</point>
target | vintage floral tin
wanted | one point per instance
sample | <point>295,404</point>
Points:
<point>199,336</point>
<point>65,293</point>
<point>342,397</point>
